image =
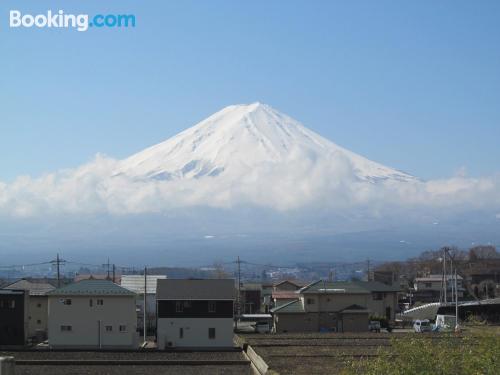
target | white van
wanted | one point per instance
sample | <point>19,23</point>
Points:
<point>422,326</point>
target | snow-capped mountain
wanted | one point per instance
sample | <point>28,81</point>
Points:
<point>241,138</point>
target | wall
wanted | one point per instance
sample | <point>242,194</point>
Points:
<point>116,310</point>
<point>14,320</point>
<point>195,332</point>
<point>38,314</point>
<point>338,302</point>
<point>296,322</point>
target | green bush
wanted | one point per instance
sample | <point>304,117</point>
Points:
<point>437,354</point>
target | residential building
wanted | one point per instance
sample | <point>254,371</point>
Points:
<point>336,306</point>
<point>429,288</point>
<point>92,314</point>
<point>250,298</point>
<point>38,305</point>
<point>195,313</point>
<point>286,285</point>
<point>14,305</point>
<point>281,297</point>
<point>135,283</point>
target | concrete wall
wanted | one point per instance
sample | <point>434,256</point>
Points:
<point>195,332</point>
<point>355,322</point>
<point>38,314</point>
<point>296,323</point>
<point>84,319</point>
<point>338,302</point>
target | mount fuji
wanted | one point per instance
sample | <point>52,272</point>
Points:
<point>250,180</point>
<point>240,139</point>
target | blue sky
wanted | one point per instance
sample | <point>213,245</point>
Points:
<point>413,85</point>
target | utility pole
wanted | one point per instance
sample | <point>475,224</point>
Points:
<point>238,306</point>
<point>445,284</point>
<point>57,262</point>
<point>457,326</point>
<point>145,308</point>
<point>107,268</point>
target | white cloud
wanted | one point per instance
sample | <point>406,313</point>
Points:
<point>304,183</point>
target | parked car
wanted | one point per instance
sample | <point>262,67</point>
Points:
<point>422,326</point>
<point>374,326</point>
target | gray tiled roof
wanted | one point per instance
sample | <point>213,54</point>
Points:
<point>92,288</point>
<point>35,288</point>
<point>195,289</point>
<point>293,307</point>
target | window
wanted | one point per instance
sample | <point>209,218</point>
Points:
<point>187,304</point>
<point>377,296</point>
<point>211,333</point>
<point>211,306</point>
<point>100,302</point>
<point>109,328</point>
<point>12,304</point>
<point>91,302</point>
<point>428,285</point>
<point>123,328</point>
<point>38,321</point>
<point>66,301</point>
<point>310,301</point>
<point>66,328</point>
<point>179,307</point>
<point>181,333</point>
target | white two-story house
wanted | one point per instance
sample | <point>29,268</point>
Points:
<point>92,314</point>
<point>195,313</point>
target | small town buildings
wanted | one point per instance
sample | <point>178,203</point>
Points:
<point>281,297</point>
<point>429,288</point>
<point>279,293</point>
<point>250,298</point>
<point>136,284</point>
<point>92,314</point>
<point>194,313</point>
<point>38,305</point>
<point>286,285</point>
<point>336,306</point>
<point>14,307</point>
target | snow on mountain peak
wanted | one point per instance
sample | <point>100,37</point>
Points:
<point>240,139</point>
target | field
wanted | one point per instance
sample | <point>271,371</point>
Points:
<point>315,353</point>
<point>331,353</point>
<point>128,363</point>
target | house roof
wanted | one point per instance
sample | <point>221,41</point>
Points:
<point>287,282</point>
<point>135,283</point>
<point>285,294</point>
<point>437,278</point>
<point>292,307</point>
<point>83,276</point>
<point>35,288</point>
<point>201,289</point>
<point>92,288</point>
<point>347,287</point>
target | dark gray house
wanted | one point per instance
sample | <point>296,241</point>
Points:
<point>13,317</point>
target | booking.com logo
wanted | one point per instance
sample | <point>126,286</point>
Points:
<point>80,22</point>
